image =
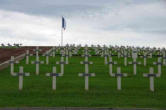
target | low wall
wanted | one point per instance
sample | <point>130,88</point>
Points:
<point>6,63</point>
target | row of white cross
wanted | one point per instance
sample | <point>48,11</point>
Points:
<point>134,56</point>
<point>54,74</point>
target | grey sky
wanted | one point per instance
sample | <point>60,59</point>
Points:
<point>121,22</point>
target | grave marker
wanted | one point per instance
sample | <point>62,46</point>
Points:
<point>54,74</point>
<point>119,75</point>
<point>151,76</point>
<point>37,50</point>
<point>20,74</point>
<point>145,58</point>
<point>27,56</point>
<point>105,55</point>
<point>110,65</point>
<point>125,58</point>
<point>53,51</point>
<point>164,57</point>
<point>47,54</point>
<point>86,74</point>
<point>62,62</point>
<point>159,64</point>
<point>67,56</point>
<point>12,62</point>
<point>37,62</point>
<point>134,56</point>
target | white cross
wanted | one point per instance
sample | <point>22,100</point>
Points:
<point>110,65</point>
<point>158,63</point>
<point>135,65</point>
<point>47,54</point>
<point>150,54</point>
<point>37,51</point>
<point>145,56</point>
<point>27,56</point>
<point>67,56</point>
<point>86,55</point>
<point>53,51</point>
<point>54,74</point>
<point>125,58</point>
<point>12,62</point>
<point>70,52</point>
<point>62,64</point>
<point>21,74</point>
<point>151,76</point>
<point>119,53</point>
<point>119,75</point>
<point>105,55</point>
<point>86,74</point>
<point>164,59</point>
<point>37,62</point>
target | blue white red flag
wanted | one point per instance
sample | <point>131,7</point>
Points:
<point>63,23</point>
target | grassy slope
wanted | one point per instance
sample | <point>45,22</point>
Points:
<point>70,88</point>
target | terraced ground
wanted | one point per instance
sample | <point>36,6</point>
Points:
<point>37,91</point>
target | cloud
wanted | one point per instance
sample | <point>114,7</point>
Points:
<point>138,23</point>
<point>20,27</point>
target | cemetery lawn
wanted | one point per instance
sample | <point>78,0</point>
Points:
<point>37,90</point>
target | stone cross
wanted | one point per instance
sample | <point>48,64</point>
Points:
<point>97,52</point>
<point>151,76</point>
<point>86,55</point>
<point>86,74</point>
<point>125,58</point>
<point>67,56</point>
<point>119,53</point>
<point>150,54</point>
<point>27,56</point>
<point>110,65</point>
<point>62,62</point>
<point>159,64</point>
<point>62,52</point>
<point>47,57</point>
<point>70,52</point>
<point>37,62</point>
<point>164,57</point>
<point>37,50</point>
<point>75,51</point>
<point>53,51</point>
<point>135,66</point>
<point>21,74</point>
<point>134,56</point>
<point>145,57</point>
<point>54,74</point>
<point>105,55</point>
<point>12,62</point>
<point>110,53</point>
<point>119,75</point>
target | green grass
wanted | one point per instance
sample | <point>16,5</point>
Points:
<point>70,91</point>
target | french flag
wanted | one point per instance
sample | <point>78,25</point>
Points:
<point>63,23</point>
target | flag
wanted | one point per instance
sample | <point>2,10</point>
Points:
<point>63,23</point>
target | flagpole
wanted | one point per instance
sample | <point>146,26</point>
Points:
<point>62,37</point>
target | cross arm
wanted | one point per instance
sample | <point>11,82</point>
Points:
<point>86,62</point>
<point>87,74</point>
<point>60,62</point>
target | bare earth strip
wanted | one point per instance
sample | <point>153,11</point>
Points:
<point>18,53</point>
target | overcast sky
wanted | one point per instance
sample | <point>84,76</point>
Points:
<point>110,22</point>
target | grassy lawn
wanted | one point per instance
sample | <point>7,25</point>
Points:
<point>70,91</point>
